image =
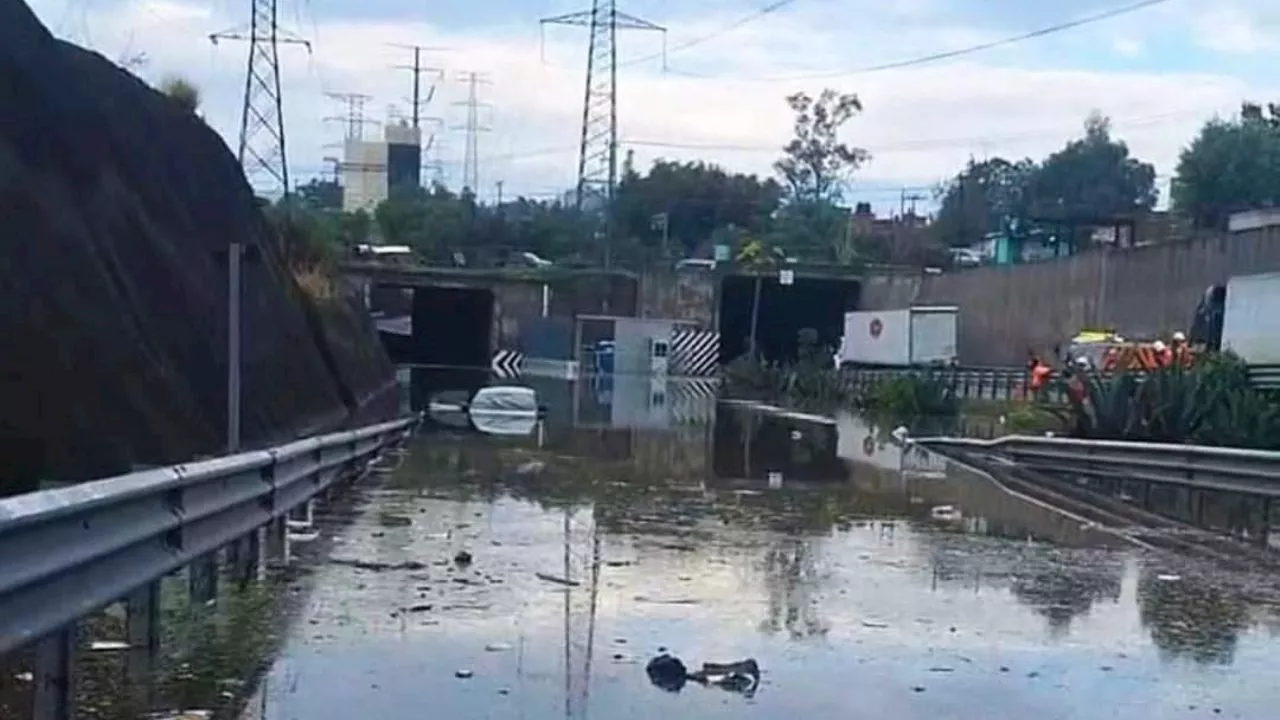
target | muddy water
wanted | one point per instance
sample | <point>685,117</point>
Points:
<point>814,547</point>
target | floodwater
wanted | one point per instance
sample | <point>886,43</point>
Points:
<point>864,584</point>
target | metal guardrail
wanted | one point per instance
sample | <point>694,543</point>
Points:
<point>1253,472</point>
<point>68,552</point>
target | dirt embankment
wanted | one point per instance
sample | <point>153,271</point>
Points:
<point>114,205</point>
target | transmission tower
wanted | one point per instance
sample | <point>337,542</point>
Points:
<point>598,153</point>
<point>418,71</point>
<point>473,128</point>
<point>354,118</point>
<point>261,149</point>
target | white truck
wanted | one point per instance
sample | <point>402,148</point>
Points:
<point>922,335</point>
<point>1251,318</point>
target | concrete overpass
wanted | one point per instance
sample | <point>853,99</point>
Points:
<point>469,313</point>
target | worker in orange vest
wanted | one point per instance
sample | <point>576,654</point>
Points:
<point>1181,352</point>
<point>1040,374</point>
<point>1164,356</point>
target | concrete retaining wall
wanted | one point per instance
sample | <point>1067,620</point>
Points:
<point>1004,310</point>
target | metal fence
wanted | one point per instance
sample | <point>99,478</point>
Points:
<point>1011,383</point>
<point>68,552</point>
<point>968,383</point>
<point>1252,472</point>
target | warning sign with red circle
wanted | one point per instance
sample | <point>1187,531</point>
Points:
<point>876,327</point>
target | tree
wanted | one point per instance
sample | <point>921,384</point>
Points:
<point>1231,165</point>
<point>814,167</point>
<point>981,198</point>
<point>181,91</point>
<point>694,199</point>
<point>1092,177</point>
<point>815,164</point>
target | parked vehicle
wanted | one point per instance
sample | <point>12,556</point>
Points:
<point>924,335</point>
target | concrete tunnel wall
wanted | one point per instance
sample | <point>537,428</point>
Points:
<point>1004,310</point>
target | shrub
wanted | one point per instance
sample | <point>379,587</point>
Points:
<point>912,395</point>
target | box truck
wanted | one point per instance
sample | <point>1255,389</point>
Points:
<point>922,335</point>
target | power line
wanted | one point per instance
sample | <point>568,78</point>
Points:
<point>949,54</point>
<point>693,42</point>
<point>473,128</point>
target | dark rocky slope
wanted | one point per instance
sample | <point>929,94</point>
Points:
<point>113,205</point>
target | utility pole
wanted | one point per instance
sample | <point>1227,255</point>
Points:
<point>499,185</point>
<point>598,150</point>
<point>418,71</point>
<point>354,118</point>
<point>473,128</point>
<point>260,151</point>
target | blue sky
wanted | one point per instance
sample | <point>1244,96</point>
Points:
<point>1158,72</point>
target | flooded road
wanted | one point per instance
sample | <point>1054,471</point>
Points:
<point>864,584</point>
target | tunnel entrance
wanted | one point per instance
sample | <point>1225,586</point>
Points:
<point>452,327</point>
<point>785,310</point>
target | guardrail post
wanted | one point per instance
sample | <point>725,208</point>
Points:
<point>55,675</point>
<point>202,579</point>
<point>277,545</point>
<point>142,630</point>
<point>247,559</point>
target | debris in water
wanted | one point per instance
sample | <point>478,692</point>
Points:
<point>108,645</point>
<point>378,566</point>
<point>463,674</point>
<point>944,512</point>
<point>874,624</point>
<point>918,688</point>
<point>532,467</point>
<point>1168,577</point>
<point>497,647</point>
<point>392,520</point>
<point>556,579</point>
<point>462,558</point>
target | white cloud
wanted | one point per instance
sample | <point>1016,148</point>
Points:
<point>1247,27</point>
<point>921,123</point>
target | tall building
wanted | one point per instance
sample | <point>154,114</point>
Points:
<point>404,156</point>
<point>372,169</point>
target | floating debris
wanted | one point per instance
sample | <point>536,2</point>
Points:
<point>378,566</point>
<point>463,674</point>
<point>108,645</point>
<point>463,558</point>
<point>556,579</point>
<point>497,647</point>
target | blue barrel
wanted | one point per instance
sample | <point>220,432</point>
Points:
<point>604,357</point>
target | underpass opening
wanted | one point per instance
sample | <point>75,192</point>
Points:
<point>784,310</point>
<point>452,327</point>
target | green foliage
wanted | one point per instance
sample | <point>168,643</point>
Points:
<point>981,198</point>
<point>808,382</point>
<point>1093,176</point>
<point>696,199</point>
<point>181,91</point>
<point>1230,165</point>
<point>914,395</point>
<point>1211,403</point>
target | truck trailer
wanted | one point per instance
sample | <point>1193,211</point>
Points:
<point>915,336</point>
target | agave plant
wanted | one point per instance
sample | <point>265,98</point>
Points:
<point>1106,410</point>
<point>1242,418</point>
<point>1170,404</point>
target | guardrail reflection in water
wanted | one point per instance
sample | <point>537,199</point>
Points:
<point>69,552</point>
